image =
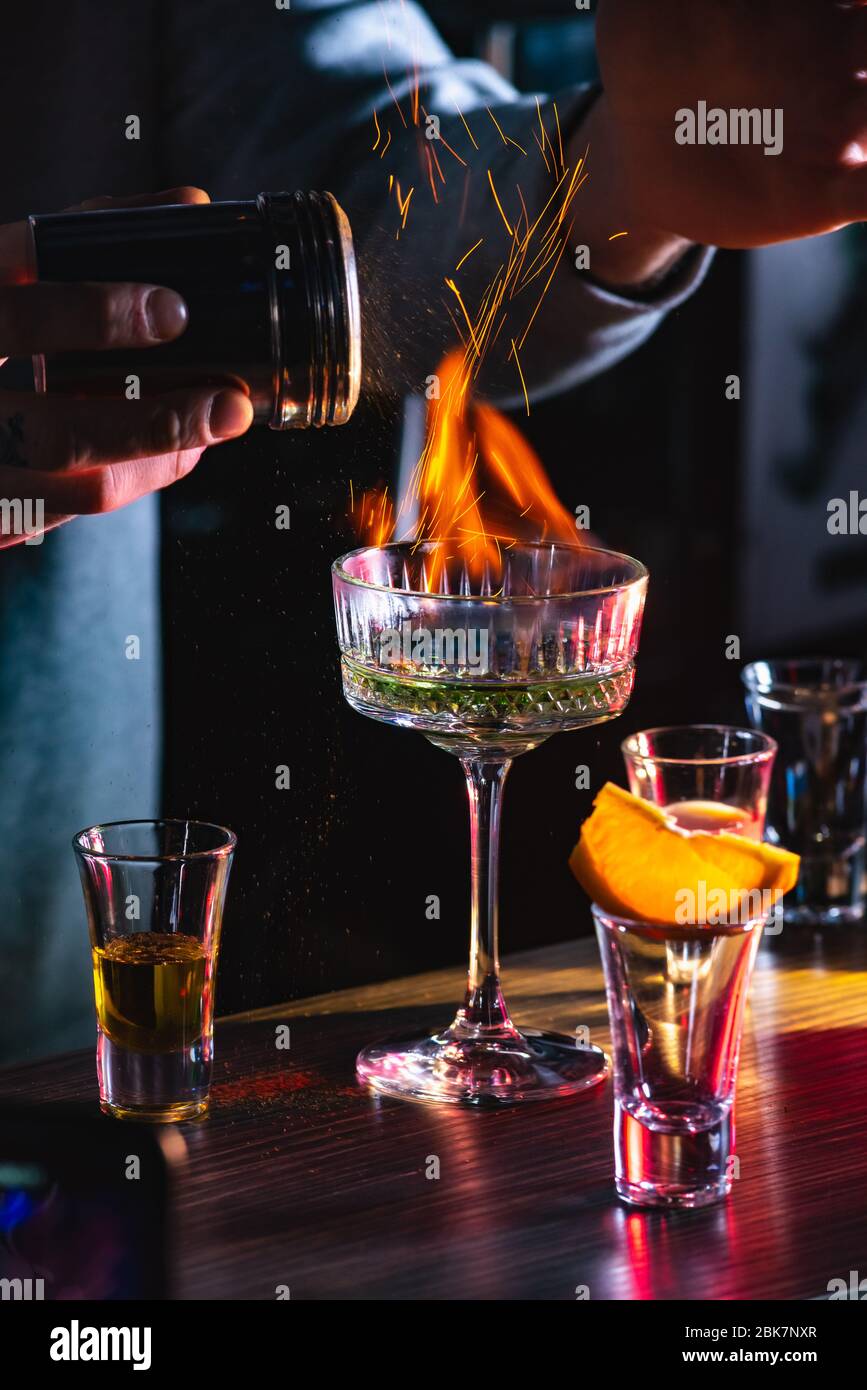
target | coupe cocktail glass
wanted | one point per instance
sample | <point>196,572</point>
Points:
<point>486,668</point>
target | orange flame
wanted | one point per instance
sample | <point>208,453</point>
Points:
<point>478,484</point>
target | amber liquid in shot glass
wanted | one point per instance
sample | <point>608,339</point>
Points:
<point>154,892</point>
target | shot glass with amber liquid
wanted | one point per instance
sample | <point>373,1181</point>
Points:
<point>154,893</point>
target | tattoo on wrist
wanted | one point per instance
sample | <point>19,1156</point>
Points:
<point>12,442</point>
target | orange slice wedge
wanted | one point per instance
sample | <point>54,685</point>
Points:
<point>635,861</point>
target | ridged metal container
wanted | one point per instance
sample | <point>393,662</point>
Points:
<point>272,293</point>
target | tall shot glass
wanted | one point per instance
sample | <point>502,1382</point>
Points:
<point>816,709</point>
<point>154,893</point>
<point>706,776</point>
<point>676,999</point>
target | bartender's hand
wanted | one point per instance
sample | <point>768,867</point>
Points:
<point>80,456</point>
<point>807,58</point>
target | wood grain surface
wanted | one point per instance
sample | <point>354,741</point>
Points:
<point>300,1178</point>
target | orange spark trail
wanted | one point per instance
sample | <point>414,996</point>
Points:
<point>430,175</point>
<point>403,203</point>
<point>393,97</point>
<point>541,125</point>
<point>499,204</point>
<point>521,375</point>
<point>506,139</point>
<point>559,135</point>
<point>467,254</point>
<point>526,215</point>
<point>542,152</point>
<point>496,123</point>
<point>456,292</point>
<point>547,286</point>
<point>469,132</point>
<point>433,155</point>
<point>444,141</point>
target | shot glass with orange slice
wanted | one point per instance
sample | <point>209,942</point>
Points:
<point>679,914</point>
<point>706,776</point>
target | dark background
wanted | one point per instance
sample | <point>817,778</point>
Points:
<point>332,875</point>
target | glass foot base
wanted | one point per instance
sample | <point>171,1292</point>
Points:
<point>156,1115</point>
<point>638,1195</point>
<point>830,888</point>
<point>685,1159</point>
<point>501,1070</point>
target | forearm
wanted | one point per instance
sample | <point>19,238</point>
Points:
<point>645,254</point>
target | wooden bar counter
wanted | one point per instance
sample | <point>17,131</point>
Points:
<point>299,1178</point>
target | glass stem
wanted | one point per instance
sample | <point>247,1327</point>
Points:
<point>484,1011</point>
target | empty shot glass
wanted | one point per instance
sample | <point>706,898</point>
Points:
<point>816,710</point>
<point>154,893</point>
<point>676,999</point>
<point>706,776</point>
